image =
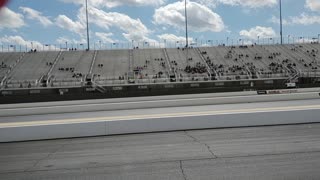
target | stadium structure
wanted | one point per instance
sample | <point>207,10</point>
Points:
<point>80,74</point>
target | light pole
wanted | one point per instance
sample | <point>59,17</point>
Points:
<point>318,38</point>
<point>185,12</point>
<point>281,21</point>
<point>258,40</point>
<point>87,17</point>
<point>288,39</point>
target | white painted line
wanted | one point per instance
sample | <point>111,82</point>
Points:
<point>157,116</point>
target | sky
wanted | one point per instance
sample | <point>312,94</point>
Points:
<point>156,22</point>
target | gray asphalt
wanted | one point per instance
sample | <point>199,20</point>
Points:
<point>151,111</point>
<point>276,152</point>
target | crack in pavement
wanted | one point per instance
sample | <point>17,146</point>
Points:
<point>153,162</point>
<point>202,143</point>
<point>46,157</point>
<point>182,171</point>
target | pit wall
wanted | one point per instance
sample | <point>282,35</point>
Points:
<point>8,96</point>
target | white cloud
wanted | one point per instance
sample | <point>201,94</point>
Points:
<point>105,37</point>
<point>250,3</point>
<point>208,3</point>
<point>313,5</point>
<point>276,20</point>
<point>77,27</point>
<point>262,32</point>
<point>10,19</point>
<point>36,15</point>
<point>18,40</point>
<point>303,19</point>
<point>172,37</point>
<point>63,40</point>
<point>115,3</point>
<point>200,17</point>
<point>133,29</point>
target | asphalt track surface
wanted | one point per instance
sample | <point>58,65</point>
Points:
<point>154,113</point>
<point>268,152</point>
<point>272,152</point>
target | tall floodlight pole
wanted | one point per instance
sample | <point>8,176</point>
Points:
<point>281,21</point>
<point>88,39</point>
<point>186,16</point>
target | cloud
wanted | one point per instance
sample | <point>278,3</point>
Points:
<point>77,27</point>
<point>116,3</point>
<point>200,17</point>
<point>18,40</point>
<point>172,37</point>
<point>276,20</point>
<point>208,3</point>
<point>10,19</point>
<point>262,32</point>
<point>63,40</point>
<point>302,19</point>
<point>305,19</point>
<point>313,5</point>
<point>105,37</point>
<point>133,29</point>
<point>250,3</point>
<point>36,15</point>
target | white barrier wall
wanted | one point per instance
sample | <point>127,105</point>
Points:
<point>11,134</point>
<point>236,116</point>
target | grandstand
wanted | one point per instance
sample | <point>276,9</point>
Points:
<point>150,66</point>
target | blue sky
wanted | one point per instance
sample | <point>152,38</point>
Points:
<point>155,21</point>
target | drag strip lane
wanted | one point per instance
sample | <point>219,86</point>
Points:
<point>145,104</point>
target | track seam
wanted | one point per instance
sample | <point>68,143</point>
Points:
<point>202,143</point>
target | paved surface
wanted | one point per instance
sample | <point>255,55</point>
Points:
<point>196,111</point>
<point>278,152</point>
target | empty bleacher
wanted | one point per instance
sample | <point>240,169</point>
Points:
<point>111,66</point>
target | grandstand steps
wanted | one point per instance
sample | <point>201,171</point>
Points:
<point>204,61</point>
<point>131,61</point>
<point>98,87</point>
<point>46,79</point>
<point>11,67</point>
<point>93,62</point>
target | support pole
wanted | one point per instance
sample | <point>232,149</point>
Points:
<point>88,39</point>
<point>186,16</point>
<point>281,22</point>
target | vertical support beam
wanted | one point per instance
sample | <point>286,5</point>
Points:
<point>281,22</point>
<point>88,39</point>
<point>186,16</point>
